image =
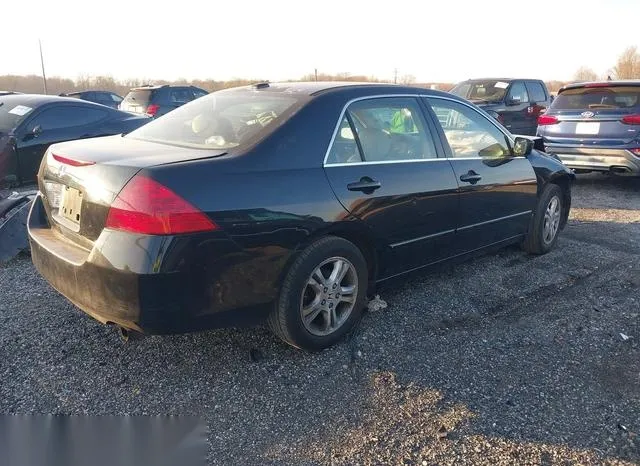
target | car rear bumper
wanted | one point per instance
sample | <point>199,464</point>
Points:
<point>616,160</point>
<point>153,285</point>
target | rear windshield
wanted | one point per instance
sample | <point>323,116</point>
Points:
<point>221,120</point>
<point>597,97</point>
<point>487,90</point>
<point>11,114</point>
<point>139,97</point>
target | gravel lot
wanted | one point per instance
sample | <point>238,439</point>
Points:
<point>507,359</point>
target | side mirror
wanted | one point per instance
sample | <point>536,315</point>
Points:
<point>36,130</point>
<point>511,101</point>
<point>522,147</point>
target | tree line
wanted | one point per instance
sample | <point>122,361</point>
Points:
<point>627,67</point>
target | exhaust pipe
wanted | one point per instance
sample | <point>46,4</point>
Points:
<point>620,169</point>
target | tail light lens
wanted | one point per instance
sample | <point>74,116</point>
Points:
<point>631,119</point>
<point>636,151</point>
<point>153,109</point>
<point>148,207</point>
<point>547,120</point>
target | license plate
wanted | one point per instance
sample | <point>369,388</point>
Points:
<point>71,204</point>
<point>587,128</point>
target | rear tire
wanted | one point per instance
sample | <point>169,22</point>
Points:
<point>322,295</point>
<point>545,223</point>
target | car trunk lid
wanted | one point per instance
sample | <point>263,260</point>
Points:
<point>81,179</point>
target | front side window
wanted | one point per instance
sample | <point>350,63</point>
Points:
<point>221,120</point>
<point>180,96</point>
<point>386,130</point>
<point>518,93</point>
<point>468,132</point>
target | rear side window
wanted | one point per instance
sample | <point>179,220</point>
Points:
<point>139,97</point>
<point>597,97</point>
<point>180,96</point>
<point>221,120</point>
<point>536,91</point>
<point>67,116</point>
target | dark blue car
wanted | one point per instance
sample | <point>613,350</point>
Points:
<point>516,103</point>
<point>595,127</point>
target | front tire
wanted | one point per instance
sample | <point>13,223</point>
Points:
<point>322,296</point>
<point>545,223</point>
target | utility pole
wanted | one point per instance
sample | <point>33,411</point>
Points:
<point>316,73</point>
<point>44,77</point>
<point>395,76</point>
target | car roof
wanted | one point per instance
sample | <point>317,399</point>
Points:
<point>159,86</point>
<point>36,100</point>
<point>620,82</point>
<point>313,88</point>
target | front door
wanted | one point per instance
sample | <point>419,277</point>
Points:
<point>518,110</point>
<point>384,168</point>
<point>497,190</point>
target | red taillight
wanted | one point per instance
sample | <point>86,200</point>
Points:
<point>72,162</point>
<point>547,120</point>
<point>153,109</point>
<point>145,206</point>
<point>636,151</point>
<point>631,119</point>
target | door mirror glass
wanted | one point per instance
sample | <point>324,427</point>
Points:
<point>522,147</point>
<point>37,129</point>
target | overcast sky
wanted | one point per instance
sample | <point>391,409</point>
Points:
<point>277,39</point>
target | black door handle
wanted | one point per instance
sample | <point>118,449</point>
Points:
<point>366,185</point>
<point>470,177</point>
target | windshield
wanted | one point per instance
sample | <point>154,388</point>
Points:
<point>221,120</point>
<point>11,114</point>
<point>614,97</point>
<point>489,90</point>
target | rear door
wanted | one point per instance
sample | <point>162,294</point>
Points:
<point>517,113</point>
<point>53,124</point>
<point>384,168</point>
<point>497,190</point>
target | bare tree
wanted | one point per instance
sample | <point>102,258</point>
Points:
<point>408,79</point>
<point>628,65</point>
<point>585,73</point>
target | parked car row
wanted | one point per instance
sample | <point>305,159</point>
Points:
<point>590,126</point>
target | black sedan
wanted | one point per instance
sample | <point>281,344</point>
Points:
<point>30,123</point>
<point>287,203</point>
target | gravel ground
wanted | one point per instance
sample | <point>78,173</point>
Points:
<point>507,359</point>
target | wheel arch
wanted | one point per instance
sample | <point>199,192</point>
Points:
<point>354,231</point>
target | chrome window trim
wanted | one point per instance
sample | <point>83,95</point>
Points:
<point>415,96</point>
